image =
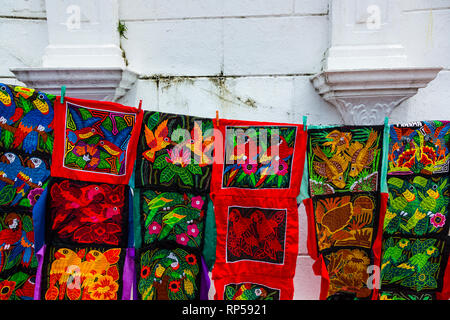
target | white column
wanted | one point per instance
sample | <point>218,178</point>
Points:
<point>83,53</point>
<point>83,33</point>
<point>366,73</point>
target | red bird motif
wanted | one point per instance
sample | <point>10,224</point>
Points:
<point>242,228</point>
<point>10,235</point>
<point>78,206</point>
<point>267,230</point>
<point>278,151</point>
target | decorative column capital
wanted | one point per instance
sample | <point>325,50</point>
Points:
<point>368,96</point>
<point>86,83</point>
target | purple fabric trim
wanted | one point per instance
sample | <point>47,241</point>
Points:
<point>129,278</point>
<point>205,282</point>
<point>37,284</point>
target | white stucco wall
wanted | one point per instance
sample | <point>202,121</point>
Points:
<point>249,59</point>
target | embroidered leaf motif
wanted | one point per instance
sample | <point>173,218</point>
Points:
<point>153,120</point>
<point>19,278</point>
<point>7,138</point>
<point>120,123</point>
<point>107,124</point>
<point>85,114</point>
<point>195,169</point>
<point>186,177</point>
<point>229,292</point>
<point>7,194</point>
<point>27,224</point>
<point>161,162</point>
<point>167,174</point>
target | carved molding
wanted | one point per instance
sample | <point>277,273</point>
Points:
<point>85,83</point>
<point>366,97</point>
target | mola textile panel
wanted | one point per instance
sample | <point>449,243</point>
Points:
<point>256,178</point>
<point>416,242</point>
<point>26,144</point>
<point>345,208</point>
<point>95,140</point>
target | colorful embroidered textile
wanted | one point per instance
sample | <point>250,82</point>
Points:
<point>175,152</point>
<point>82,273</point>
<point>256,236</point>
<point>420,147</point>
<point>418,205</point>
<point>26,119</point>
<point>342,159</point>
<point>346,208</point>
<point>256,179</point>
<point>346,221</point>
<point>24,178</point>
<point>173,217</point>
<point>250,287</point>
<point>95,141</point>
<point>16,242</point>
<point>87,213</point>
<point>260,159</point>
<point>168,273</point>
<point>416,244</point>
<point>17,286</point>
<point>26,142</point>
<point>413,264</point>
<point>172,183</point>
<point>347,273</point>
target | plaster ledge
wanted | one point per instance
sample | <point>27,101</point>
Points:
<point>367,96</point>
<point>85,83</point>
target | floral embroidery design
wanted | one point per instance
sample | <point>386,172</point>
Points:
<point>168,274</point>
<point>172,216</point>
<point>97,140</point>
<point>417,205</point>
<point>344,159</point>
<point>87,213</point>
<point>18,286</point>
<point>258,157</point>
<point>250,291</point>
<point>175,151</point>
<point>346,220</point>
<point>419,148</point>
<point>256,234</point>
<point>347,269</point>
<point>82,273</point>
<point>413,264</point>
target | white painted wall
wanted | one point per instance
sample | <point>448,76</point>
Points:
<point>249,59</point>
